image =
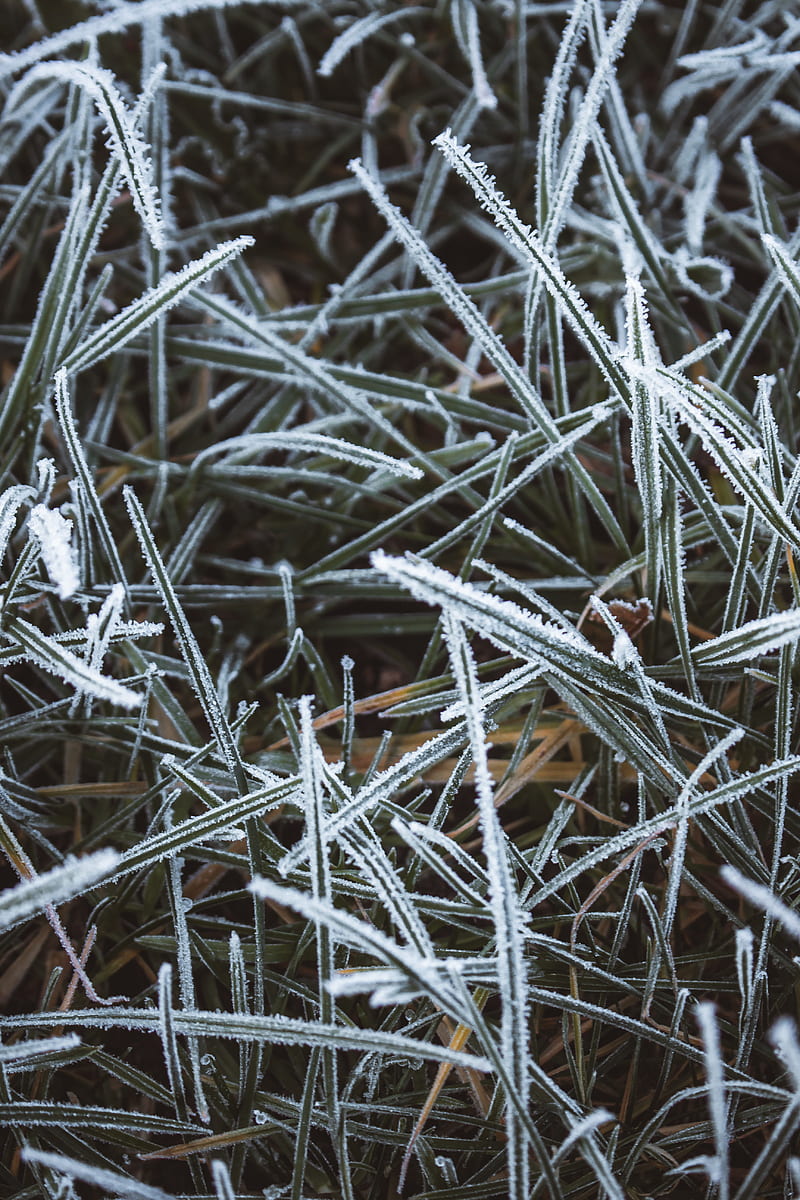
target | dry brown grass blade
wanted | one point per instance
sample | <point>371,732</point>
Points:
<point>17,971</point>
<point>83,958</point>
<point>606,881</point>
<point>533,762</point>
<point>378,702</point>
<point>458,1040</point>
<point>553,772</point>
<point>536,765</point>
<point>697,631</point>
<point>94,791</point>
<point>213,1142</point>
<point>595,812</point>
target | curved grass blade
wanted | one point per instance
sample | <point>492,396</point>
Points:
<point>747,642</point>
<point>72,878</point>
<point>137,317</point>
<point>260,1030</point>
<point>311,443</point>
<point>54,657</point>
<point>126,144</point>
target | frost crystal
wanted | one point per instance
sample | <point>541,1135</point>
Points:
<point>54,533</point>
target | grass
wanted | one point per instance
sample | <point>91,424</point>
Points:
<point>399,604</point>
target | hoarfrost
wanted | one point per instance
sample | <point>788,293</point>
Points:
<point>54,533</point>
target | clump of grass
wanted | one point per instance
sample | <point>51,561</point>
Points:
<point>399,610</point>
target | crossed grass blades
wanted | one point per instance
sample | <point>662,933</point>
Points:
<point>399,609</point>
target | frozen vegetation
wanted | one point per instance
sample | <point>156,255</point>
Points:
<point>399,608</point>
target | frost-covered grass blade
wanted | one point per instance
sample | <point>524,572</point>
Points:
<point>468,868</point>
<point>53,887</point>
